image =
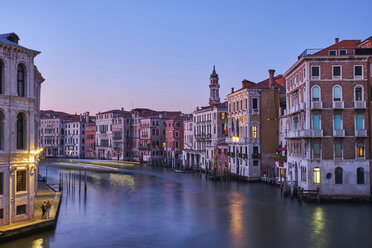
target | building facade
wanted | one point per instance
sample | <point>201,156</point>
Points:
<point>20,83</point>
<point>328,119</point>
<point>90,140</point>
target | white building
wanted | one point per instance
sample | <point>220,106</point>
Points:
<point>20,83</point>
<point>52,136</point>
<point>207,127</point>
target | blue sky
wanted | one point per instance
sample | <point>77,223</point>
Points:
<point>100,55</point>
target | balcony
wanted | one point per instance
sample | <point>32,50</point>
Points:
<point>316,133</point>
<point>256,156</point>
<point>338,104</point>
<point>306,133</point>
<point>359,104</point>
<point>237,140</point>
<point>338,132</point>
<point>360,132</point>
<point>316,104</point>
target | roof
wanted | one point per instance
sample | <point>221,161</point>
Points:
<point>344,44</point>
<point>265,84</point>
<point>12,40</point>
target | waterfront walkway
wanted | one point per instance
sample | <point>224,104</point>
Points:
<point>44,193</point>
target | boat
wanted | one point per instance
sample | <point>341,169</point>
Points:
<point>179,171</point>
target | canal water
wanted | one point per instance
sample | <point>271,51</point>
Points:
<point>156,207</point>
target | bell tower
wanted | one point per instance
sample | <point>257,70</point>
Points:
<point>214,88</point>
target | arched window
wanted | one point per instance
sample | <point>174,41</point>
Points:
<point>360,176</point>
<point>338,175</point>
<point>316,121</point>
<point>237,127</point>
<point>337,96</point>
<point>359,121</point>
<point>1,77</point>
<point>316,175</point>
<point>360,150</point>
<point>21,127</point>
<point>1,131</point>
<point>358,93</point>
<point>337,123</point>
<point>315,94</point>
<point>21,80</point>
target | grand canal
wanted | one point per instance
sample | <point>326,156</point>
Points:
<point>155,207</point>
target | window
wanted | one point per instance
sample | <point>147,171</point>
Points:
<point>337,93</point>
<point>336,72</point>
<point>315,94</point>
<point>255,104</point>
<point>332,52</point>
<point>254,132</point>
<point>338,175</point>
<point>21,209</point>
<point>1,77</point>
<point>359,121</point>
<point>316,121</point>
<point>21,131</point>
<point>360,150</point>
<point>1,131</point>
<point>337,121</point>
<point>360,176</point>
<point>358,93</point>
<point>1,183</point>
<point>315,72</point>
<point>316,175</point>
<point>1,213</point>
<point>316,150</point>
<point>21,180</point>
<point>358,71</point>
<point>255,162</point>
<point>342,52</point>
<point>338,150</point>
<point>21,80</point>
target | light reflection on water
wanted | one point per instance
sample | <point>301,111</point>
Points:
<point>160,208</point>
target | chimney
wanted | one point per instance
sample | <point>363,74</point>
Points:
<point>232,89</point>
<point>122,109</point>
<point>271,78</point>
<point>336,40</point>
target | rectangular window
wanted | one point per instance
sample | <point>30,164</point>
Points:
<point>1,183</point>
<point>360,150</point>
<point>255,104</point>
<point>315,72</point>
<point>21,209</point>
<point>255,162</point>
<point>358,71</point>
<point>342,52</point>
<point>316,150</point>
<point>336,72</point>
<point>338,150</point>
<point>254,132</point>
<point>316,175</point>
<point>2,213</point>
<point>332,53</point>
<point>21,180</point>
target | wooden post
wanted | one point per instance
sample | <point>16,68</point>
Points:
<point>79,181</point>
<point>85,181</point>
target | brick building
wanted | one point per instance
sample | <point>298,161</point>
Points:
<point>328,119</point>
<point>90,140</point>
<point>253,127</point>
<point>174,140</point>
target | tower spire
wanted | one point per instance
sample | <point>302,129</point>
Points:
<point>214,88</point>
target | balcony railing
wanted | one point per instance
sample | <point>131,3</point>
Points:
<point>360,104</point>
<point>360,132</point>
<point>306,133</point>
<point>316,104</point>
<point>339,132</point>
<point>338,104</point>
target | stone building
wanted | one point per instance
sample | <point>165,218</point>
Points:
<point>328,110</point>
<point>20,83</point>
<point>51,133</point>
<point>253,127</point>
<point>208,129</point>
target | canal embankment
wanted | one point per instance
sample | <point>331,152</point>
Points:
<point>38,223</point>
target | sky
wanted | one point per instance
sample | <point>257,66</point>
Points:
<point>102,55</point>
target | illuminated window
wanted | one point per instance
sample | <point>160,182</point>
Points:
<point>21,180</point>
<point>358,93</point>
<point>254,132</point>
<point>360,150</point>
<point>316,175</point>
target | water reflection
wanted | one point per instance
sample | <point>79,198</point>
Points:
<point>38,243</point>
<point>120,180</point>
<point>318,228</point>
<point>236,212</point>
